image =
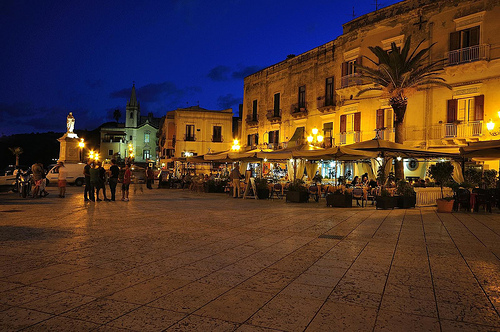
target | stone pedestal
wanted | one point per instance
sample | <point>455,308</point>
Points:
<point>69,151</point>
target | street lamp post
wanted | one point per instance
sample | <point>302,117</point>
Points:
<point>81,145</point>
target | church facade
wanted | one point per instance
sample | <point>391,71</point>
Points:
<point>317,91</point>
<point>133,140</point>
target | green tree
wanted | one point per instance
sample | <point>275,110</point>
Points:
<point>17,151</point>
<point>398,73</point>
<point>117,114</point>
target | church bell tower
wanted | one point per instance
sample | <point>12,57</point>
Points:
<point>133,110</point>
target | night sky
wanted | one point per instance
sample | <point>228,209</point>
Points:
<point>83,56</point>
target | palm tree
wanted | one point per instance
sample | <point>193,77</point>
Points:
<point>398,73</point>
<point>16,151</point>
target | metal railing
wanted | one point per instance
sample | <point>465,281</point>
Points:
<point>349,137</point>
<point>469,129</point>
<point>252,119</point>
<point>297,109</point>
<point>350,80</point>
<point>468,54</point>
<point>217,139</point>
<point>273,115</point>
<point>189,138</point>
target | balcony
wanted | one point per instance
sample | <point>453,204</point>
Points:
<point>326,105</point>
<point>463,130</point>
<point>349,137</point>
<point>299,111</point>
<point>468,54</point>
<point>252,120</point>
<point>189,138</point>
<point>274,115</point>
<point>217,139</point>
<point>350,80</point>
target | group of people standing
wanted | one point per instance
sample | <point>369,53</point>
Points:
<point>95,180</point>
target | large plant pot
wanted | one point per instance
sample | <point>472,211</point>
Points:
<point>338,200</point>
<point>297,196</point>
<point>385,202</point>
<point>406,202</point>
<point>444,205</point>
<point>263,193</point>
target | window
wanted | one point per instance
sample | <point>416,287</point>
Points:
<point>302,96</point>
<point>465,117</point>
<point>254,110</point>
<point>274,137</point>
<point>110,152</point>
<point>146,138</point>
<point>189,133</point>
<point>350,125</point>
<point>349,71</point>
<point>277,105</point>
<point>217,134</point>
<point>132,115</point>
<point>328,134</point>
<point>146,154</point>
<point>329,100</point>
<point>130,137</point>
<point>253,140</point>
<point>464,46</point>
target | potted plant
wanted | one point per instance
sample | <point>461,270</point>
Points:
<point>297,192</point>
<point>441,173</point>
<point>262,188</point>
<point>406,196</point>
<point>339,198</point>
<point>385,200</point>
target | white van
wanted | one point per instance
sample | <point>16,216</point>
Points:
<point>75,174</point>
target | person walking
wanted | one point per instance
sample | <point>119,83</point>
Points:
<point>86,172</point>
<point>235,178</point>
<point>127,179</point>
<point>102,181</point>
<point>61,179</point>
<point>113,178</point>
<point>150,177</point>
<point>94,183</point>
<point>37,171</point>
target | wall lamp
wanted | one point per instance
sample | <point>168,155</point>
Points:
<point>491,126</point>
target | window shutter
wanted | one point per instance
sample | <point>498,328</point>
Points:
<point>474,36</point>
<point>479,108</point>
<point>343,123</point>
<point>380,119</point>
<point>277,136</point>
<point>344,68</point>
<point>452,110</point>
<point>249,140</point>
<point>454,40</point>
<point>357,121</point>
<point>359,61</point>
<point>256,139</point>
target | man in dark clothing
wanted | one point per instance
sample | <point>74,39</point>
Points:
<point>94,182</point>
<point>102,181</point>
<point>87,193</point>
<point>113,178</point>
<point>150,177</point>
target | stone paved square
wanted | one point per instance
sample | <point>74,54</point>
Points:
<point>175,260</point>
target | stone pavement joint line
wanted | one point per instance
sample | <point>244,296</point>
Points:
<point>174,260</point>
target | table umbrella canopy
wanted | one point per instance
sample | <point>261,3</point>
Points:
<point>484,150</point>
<point>392,149</point>
<point>230,156</point>
<point>285,154</point>
<point>335,153</point>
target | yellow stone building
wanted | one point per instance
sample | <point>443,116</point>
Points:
<point>195,131</point>
<point>285,102</point>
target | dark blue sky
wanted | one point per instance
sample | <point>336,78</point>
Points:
<point>82,56</point>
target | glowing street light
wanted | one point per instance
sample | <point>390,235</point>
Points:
<point>236,145</point>
<point>81,145</point>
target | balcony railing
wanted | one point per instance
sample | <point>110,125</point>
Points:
<point>349,137</point>
<point>217,139</point>
<point>252,120</point>
<point>463,130</point>
<point>324,104</point>
<point>297,110</point>
<point>350,80</point>
<point>189,138</point>
<point>274,115</point>
<point>468,54</point>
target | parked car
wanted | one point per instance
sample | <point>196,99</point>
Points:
<point>75,174</point>
<point>8,176</point>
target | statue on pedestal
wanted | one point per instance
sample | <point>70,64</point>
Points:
<point>70,122</point>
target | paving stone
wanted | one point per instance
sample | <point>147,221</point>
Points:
<point>176,260</point>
